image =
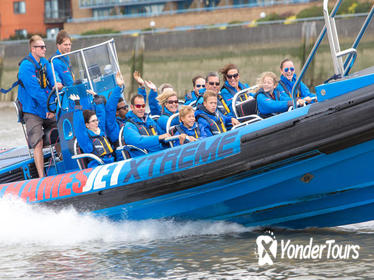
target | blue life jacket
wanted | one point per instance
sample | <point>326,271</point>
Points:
<point>101,145</point>
<point>144,130</point>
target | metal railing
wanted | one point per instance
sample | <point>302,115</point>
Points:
<point>330,28</point>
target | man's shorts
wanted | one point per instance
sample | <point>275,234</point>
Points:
<point>35,126</point>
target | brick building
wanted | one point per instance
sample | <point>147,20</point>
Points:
<point>20,18</point>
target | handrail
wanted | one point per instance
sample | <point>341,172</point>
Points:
<point>349,61</point>
<point>312,53</point>
<point>237,95</point>
<point>340,69</point>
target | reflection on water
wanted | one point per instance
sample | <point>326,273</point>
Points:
<point>37,243</point>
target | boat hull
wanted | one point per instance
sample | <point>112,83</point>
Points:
<point>307,167</point>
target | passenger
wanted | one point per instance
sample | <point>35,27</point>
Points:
<point>198,83</point>
<point>188,125</point>
<point>211,120</point>
<point>154,107</point>
<point>141,131</point>
<point>213,84</point>
<point>169,104</point>
<point>288,79</point>
<point>62,65</point>
<point>271,99</point>
<point>89,128</point>
<point>115,111</point>
<point>231,86</point>
<point>37,80</point>
<point>122,110</point>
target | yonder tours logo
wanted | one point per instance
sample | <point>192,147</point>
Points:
<point>267,248</point>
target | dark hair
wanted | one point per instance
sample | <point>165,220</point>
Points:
<point>61,36</point>
<point>132,101</point>
<point>87,114</point>
<point>211,74</point>
<point>196,78</point>
<point>121,100</point>
<point>227,68</point>
<point>284,61</point>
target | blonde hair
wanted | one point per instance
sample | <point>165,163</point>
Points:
<point>261,78</point>
<point>33,39</point>
<point>164,96</point>
<point>209,93</point>
<point>184,111</point>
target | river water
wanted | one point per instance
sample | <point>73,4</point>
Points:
<point>37,243</point>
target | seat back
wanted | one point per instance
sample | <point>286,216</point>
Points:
<point>247,107</point>
<point>19,111</point>
<point>82,162</point>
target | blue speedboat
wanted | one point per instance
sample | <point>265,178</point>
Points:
<point>310,166</point>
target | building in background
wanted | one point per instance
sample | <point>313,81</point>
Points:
<point>18,19</point>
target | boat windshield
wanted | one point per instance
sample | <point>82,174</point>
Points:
<point>93,66</point>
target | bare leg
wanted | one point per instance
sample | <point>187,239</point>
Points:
<point>39,158</point>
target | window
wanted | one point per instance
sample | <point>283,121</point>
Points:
<point>19,7</point>
<point>20,33</point>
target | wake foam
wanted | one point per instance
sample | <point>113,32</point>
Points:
<point>31,224</point>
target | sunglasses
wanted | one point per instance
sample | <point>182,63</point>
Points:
<point>123,107</point>
<point>200,86</point>
<point>172,101</point>
<point>139,106</point>
<point>232,76</point>
<point>289,69</point>
<point>214,83</point>
<point>42,47</point>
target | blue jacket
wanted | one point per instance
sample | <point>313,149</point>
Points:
<point>303,90</point>
<point>190,97</point>
<point>163,119</point>
<point>84,135</point>
<point>63,69</point>
<point>219,124</point>
<point>198,98</point>
<point>269,104</point>
<point>133,136</point>
<point>112,127</point>
<point>228,92</point>
<point>154,106</point>
<point>31,95</point>
<point>194,131</point>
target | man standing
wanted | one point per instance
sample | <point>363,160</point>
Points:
<point>62,64</point>
<point>36,82</point>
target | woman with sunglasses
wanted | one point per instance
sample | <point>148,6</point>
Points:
<point>288,79</point>
<point>231,86</point>
<point>272,100</point>
<point>169,104</point>
<point>198,83</point>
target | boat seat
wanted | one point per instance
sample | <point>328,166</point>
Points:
<point>83,158</point>
<point>125,148</point>
<point>247,110</point>
<point>171,128</point>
